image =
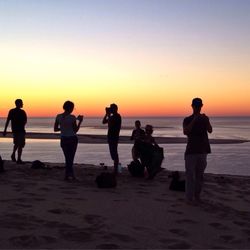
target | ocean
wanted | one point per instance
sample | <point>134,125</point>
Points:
<point>225,158</point>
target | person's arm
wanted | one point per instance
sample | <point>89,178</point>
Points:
<point>6,125</point>
<point>209,126</point>
<point>56,125</point>
<point>76,126</point>
<point>154,142</point>
<point>25,119</point>
<point>187,128</point>
<point>105,119</point>
<point>132,137</point>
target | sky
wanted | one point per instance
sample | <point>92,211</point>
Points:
<point>150,57</point>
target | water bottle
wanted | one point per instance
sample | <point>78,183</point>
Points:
<point>119,169</point>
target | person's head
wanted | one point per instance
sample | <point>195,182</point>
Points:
<point>19,103</point>
<point>68,106</point>
<point>197,104</point>
<point>113,108</point>
<point>149,129</point>
<point>137,124</point>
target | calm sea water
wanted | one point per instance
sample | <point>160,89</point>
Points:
<point>224,127</point>
<point>225,159</point>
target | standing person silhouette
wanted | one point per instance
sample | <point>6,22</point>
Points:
<point>18,119</point>
<point>113,119</point>
<point>196,127</point>
<point>67,124</point>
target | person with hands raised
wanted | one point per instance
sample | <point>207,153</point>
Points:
<point>68,125</point>
<point>196,127</point>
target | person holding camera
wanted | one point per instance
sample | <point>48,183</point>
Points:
<point>67,124</point>
<point>113,119</point>
<point>196,127</point>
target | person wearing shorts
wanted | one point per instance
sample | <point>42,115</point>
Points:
<point>18,119</point>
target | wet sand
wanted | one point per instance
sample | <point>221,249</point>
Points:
<point>93,139</point>
<point>40,210</point>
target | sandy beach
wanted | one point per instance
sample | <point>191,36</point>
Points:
<point>39,210</point>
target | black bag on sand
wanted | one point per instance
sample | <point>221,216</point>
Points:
<point>1,165</point>
<point>176,184</point>
<point>37,164</point>
<point>106,180</point>
<point>136,169</point>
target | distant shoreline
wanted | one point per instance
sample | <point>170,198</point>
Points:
<point>102,139</point>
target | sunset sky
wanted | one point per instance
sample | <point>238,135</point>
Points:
<point>151,57</point>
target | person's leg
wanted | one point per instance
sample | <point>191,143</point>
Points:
<point>113,149</point>
<point>64,147</point>
<point>72,147</point>
<point>13,157</point>
<point>69,146</point>
<point>199,174</point>
<point>20,146</point>
<point>190,162</point>
<point>19,153</point>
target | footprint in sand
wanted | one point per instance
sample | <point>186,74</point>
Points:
<point>186,221</point>
<point>30,241</point>
<point>24,241</point>
<point>227,238</point>
<point>175,212</point>
<point>76,234</point>
<point>175,244</point>
<point>240,223</point>
<point>107,246</point>
<point>23,205</point>
<point>139,228</point>
<point>247,231</point>
<point>161,200</point>
<point>120,237</point>
<point>93,219</point>
<point>179,232</point>
<point>142,192</point>
<point>218,226</point>
<point>62,211</point>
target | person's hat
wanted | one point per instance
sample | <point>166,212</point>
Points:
<point>197,102</point>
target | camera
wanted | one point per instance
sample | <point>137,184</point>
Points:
<point>108,110</point>
<point>80,117</point>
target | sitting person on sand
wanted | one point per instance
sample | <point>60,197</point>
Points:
<point>148,138</point>
<point>67,124</point>
<point>138,134</point>
<point>151,154</point>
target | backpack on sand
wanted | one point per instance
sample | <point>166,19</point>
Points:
<point>37,164</point>
<point>136,169</point>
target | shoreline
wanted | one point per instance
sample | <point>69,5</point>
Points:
<point>102,139</point>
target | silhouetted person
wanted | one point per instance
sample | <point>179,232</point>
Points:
<point>68,125</point>
<point>137,135</point>
<point>196,127</point>
<point>148,138</point>
<point>113,118</point>
<point>151,154</point>
<point>18,119</point>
